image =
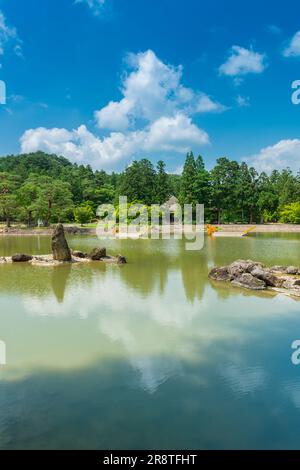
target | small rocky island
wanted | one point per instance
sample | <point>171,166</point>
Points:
<point>253,275</point>
<point>61,253</point>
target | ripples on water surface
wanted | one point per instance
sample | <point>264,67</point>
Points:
<point>149,355</point>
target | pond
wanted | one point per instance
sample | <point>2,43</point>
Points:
<point>150,355</point>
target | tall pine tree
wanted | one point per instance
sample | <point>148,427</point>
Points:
<point>188,192</point>
<point>162,187</point>
<point>202,183</point>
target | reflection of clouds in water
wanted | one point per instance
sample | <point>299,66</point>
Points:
<point>141,325</point>
<point>109,294</point>
<point>292,390</point>
<point>164,325</point>
<point>210,264</point>
<point>244,380</point>
<point>155,371</point>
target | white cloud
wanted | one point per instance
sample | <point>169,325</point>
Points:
<point>206,105</point>
<point>151,90</point>
<point>293,49</point>
<point>79,145</point>
<point>95,5</point>
<point>286,153</point>
<point>116,115</point>
<point>242,61</point>
<point>153,115</point>
<point>8,33</point>
<point>176,134</point>
<point>50,140</point>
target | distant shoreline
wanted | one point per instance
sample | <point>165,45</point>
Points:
<point>261,228</point>
<point>70,230</point>
<point>76,230</point>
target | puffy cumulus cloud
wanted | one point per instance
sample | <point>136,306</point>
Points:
<point>116,115</point>
<point>151,90</point>
<point>95,5</point>
<point>8,33</point>
<point>293,48</point>
<point>242,61</point>
<point>49,139</point>
<point>176,133</point>
<point>80,145</point>
<point>286,153</point>
<point>153,115</point>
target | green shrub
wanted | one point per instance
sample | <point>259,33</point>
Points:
<point>290,214</point>
<point>84,214</point>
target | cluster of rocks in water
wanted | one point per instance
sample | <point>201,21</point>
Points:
<point>61,253</point>
<point>256,276</point>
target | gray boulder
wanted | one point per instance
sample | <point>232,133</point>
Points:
<point>278,269</point>
<point>60,247</point>
<point>21,258</point>
<point>255,276</point>
<point>79,254</point>
<point>266,276</point>
<point>97,254</point>
<point>249,282</point>
<point>220,274</point>
<point>121,259</point>
<point>242,266</point>
<point>292,270</point>
<point>290,283</point>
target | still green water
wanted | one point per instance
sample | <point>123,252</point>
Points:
<point>148,355</point>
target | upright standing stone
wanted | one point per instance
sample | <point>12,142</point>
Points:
<point>60,247</point>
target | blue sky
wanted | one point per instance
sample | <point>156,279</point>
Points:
<point>107,81</point>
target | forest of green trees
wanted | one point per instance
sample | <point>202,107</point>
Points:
<point>39,187</point>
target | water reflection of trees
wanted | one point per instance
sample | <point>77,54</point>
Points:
<point>139,311</point>
<point>59,283</point>
<point>35,281</point>
<point>147,271</point>
<point>150,266</point>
